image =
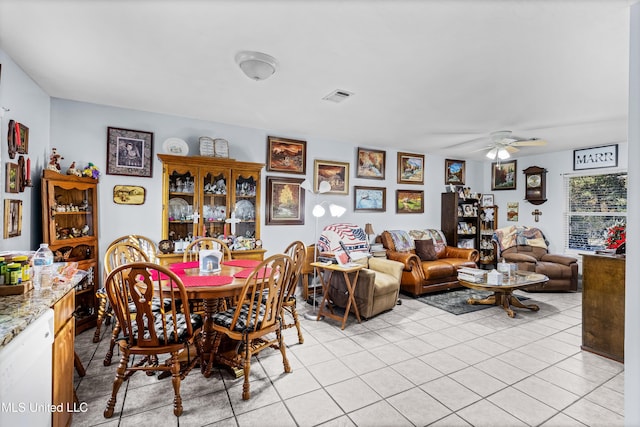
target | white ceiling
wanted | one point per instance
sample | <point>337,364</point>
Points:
<point>427,75</point>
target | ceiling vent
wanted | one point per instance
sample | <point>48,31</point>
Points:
<point>338,95</point>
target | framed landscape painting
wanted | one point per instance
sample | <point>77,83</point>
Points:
<point>285,201</point>
<point>409,201</point>
<point>335,173</point>
<point>454,172</point>
<point>503,175</point>
<point>286,155</point>
<point>371,163</point>
<point>369,199</point>
<point>410,168</point>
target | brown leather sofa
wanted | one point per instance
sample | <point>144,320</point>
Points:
<point>423,276</point>
<point>377,288</point>
<point>529,251</point>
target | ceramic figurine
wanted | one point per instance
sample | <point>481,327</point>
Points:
<point>54,160</point>
<point>73,171</point>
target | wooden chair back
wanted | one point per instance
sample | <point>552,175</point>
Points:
<point>192,251</point>
<point>122,253</point>
<point>297,252</point>
<point>147,245</point>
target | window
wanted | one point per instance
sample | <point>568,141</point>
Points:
<point>595,203</point>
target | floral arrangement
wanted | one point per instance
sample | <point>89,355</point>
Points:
<point>616,236</point>
<point>91,171</point>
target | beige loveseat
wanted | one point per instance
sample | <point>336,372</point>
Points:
<point>420,276</point>
<point>377,288</point>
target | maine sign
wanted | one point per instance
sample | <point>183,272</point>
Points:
<point>605,156</point>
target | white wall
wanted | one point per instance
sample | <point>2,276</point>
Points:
<point>29,105</point>
<point>79,131</point>
<point>551,222</point>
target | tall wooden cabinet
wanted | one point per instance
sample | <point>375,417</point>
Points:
<point>70,227</point>
<point>459,220</point>
<point>201,195</point>
<point>488,224</point>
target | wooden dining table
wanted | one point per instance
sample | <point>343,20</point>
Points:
<point>215,297</point>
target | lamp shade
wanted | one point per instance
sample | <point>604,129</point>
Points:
<point>318,211</point>
<point>368,229</point>
<point>337,210</point>
<point>256,65</point>
<point>324,187</point>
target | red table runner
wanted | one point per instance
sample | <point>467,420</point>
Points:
<point>251,263</point>
<point>190,281</point>
<point>243,274</point>
<point>179,267</point>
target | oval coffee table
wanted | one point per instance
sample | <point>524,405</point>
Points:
<point>503,294</point>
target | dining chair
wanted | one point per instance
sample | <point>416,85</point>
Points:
<point>150,248</point>
<point>257,314</point>
<point>147,332</point>
<point>297,252</point>
<point>117,255</point>
<point>192,251</point>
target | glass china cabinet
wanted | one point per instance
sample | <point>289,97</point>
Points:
<point>209,196</point>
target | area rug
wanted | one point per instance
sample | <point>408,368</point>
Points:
<point>455,301</point>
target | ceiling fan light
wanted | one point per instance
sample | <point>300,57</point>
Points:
<point>256,65</point>
<point>492,153</point>
<point>503,154</point>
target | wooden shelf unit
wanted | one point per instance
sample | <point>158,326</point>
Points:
<point>460,221</point>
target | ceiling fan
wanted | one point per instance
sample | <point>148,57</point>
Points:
<point>504,143</point>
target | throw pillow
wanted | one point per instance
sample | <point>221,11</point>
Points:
<point>425,250</point>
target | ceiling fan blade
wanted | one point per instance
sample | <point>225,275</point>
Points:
<point>511,149</point>
<point>532,142</point>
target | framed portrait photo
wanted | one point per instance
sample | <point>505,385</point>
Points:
<point>129,152</point>
<point>503,175</point>
<point>286,155</point>
<point>454,171</point>
<point>285,201</point>
<point>409,201</point>
<point>410,168</point>
<point>371,163</point>
<point>369,199</point>
<point>335,173</point>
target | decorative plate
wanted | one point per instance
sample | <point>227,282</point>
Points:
<point>166,246</point>
<point>245,210</point>
<point>175,146</point>
<point>178,208</point>
<point>207,146</point>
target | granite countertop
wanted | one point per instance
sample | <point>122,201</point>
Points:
<point>18,311</point>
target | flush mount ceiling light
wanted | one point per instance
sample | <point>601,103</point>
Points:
<point>499,152</point>
<point>256,65</point>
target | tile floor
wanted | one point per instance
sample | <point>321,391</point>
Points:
<point>413,366</point>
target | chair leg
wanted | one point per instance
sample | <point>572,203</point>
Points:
<point>294,314</point>
<point>175,379</point>
<point>283,351</point>
<point>117,382</point>
<point>112,344</point>
<point>246,392</point>
<point>102,313</point>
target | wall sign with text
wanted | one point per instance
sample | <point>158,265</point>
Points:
<point>605,156</point>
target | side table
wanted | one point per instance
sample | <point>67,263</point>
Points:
<point>350,282</point>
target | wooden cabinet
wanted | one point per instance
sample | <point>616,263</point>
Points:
<point>603,294</point>
<point>459,221</point>
<point>209,196</point>
<point>70,227</point>
<point>63,357</point>
<point>488,224</point>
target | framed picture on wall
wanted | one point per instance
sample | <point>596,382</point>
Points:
<point>454,171</point>
<point>335,173</point>
<point>286,155</point>
<point>371,163</point>
<point>503,175</point>
<point>369,199</point>
<point>409,201</point>
<point>285,201</point>
<point>129,152</point>
<point>12,180</point>
<point>12,218</point>
<point>410,168</point>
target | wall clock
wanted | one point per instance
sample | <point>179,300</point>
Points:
<point>535,185</point>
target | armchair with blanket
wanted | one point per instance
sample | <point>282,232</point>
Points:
<point>378,285</point>
<point>528,248</point>
<point>429,264</point>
